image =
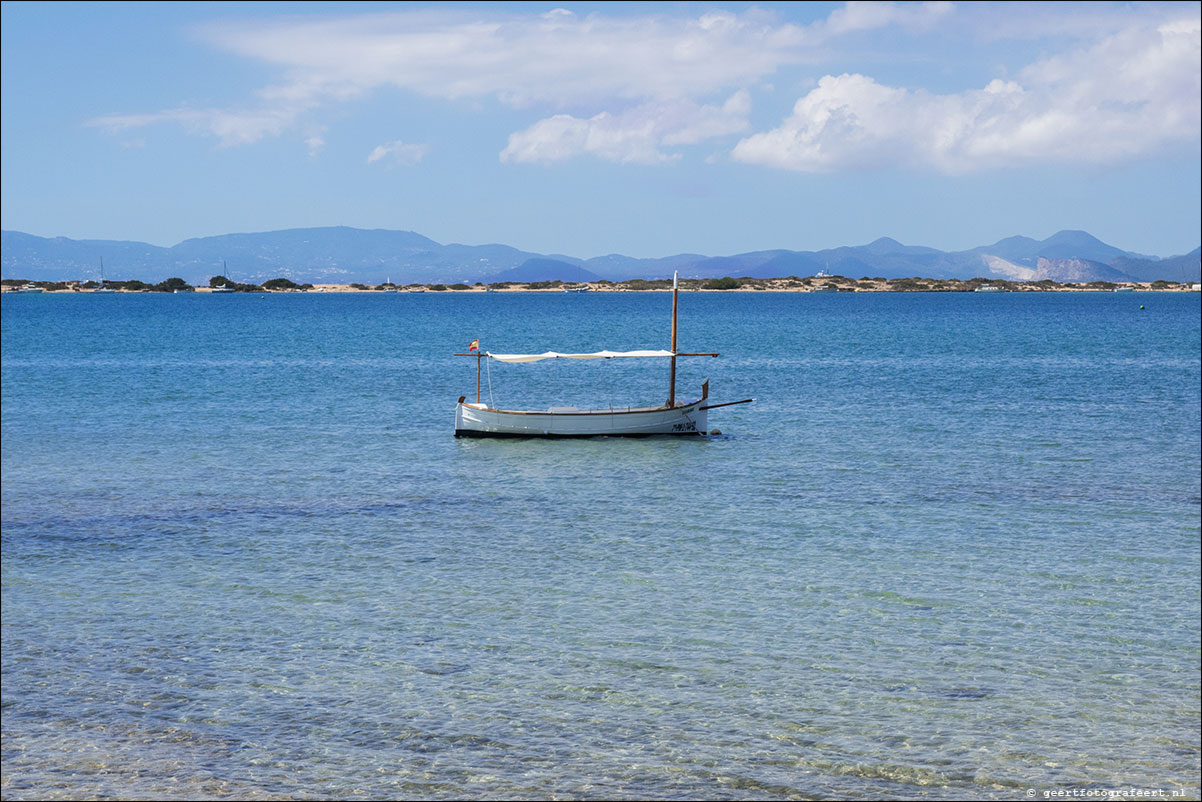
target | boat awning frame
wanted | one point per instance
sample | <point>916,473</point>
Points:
<point>558,355</point>
<point>594,355</point>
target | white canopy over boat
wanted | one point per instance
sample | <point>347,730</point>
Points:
<point>558,355</point>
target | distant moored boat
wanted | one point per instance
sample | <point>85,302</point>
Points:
<point>227,287</point>
<point>102,287</point>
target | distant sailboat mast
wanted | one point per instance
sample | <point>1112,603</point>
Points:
<point>228,286</point>
<point>102,287</point>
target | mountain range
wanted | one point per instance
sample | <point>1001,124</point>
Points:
<point>341,255</point>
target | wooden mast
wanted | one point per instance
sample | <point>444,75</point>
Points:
<point>672,370</point>
<point>479,356</point>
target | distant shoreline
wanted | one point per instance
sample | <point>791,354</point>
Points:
<point>814,284</point>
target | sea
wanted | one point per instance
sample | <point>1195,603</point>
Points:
<point>950,551</point>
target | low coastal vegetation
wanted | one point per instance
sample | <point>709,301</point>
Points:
<point>285,284</point>
<point>726,283</point>
<point>173,284</point>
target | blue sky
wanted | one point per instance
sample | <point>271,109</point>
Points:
<point>578,128</point>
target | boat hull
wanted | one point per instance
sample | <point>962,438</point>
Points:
<point>477,420</point>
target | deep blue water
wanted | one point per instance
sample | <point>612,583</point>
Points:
<point>951,551</point>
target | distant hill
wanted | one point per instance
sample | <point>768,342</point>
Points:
<point>346,255</point>
<point>331,255</point>
<point>544,270</point>
<point>617,267</point>
<point>1076,271</point>
<point>38,258</point>
<point>1061,245</point>
<point>1175,268</point>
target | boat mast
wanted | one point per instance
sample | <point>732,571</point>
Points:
<point>480,355</point>
<point>672,370</point>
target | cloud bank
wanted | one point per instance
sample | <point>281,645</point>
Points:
<point>636,135</point>
<point>1129,95</point>
<point>640,89</point>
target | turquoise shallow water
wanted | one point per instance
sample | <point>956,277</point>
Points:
<point>951,551</point>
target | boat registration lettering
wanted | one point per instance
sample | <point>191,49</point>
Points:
<point>687,426</point>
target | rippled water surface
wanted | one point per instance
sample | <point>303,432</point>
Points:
<point>951,551</point>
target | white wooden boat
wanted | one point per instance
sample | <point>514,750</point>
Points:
<point>671,418</point>
<point>478,420</point>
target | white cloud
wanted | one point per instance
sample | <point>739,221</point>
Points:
<point>863,16</point>
<point>1128,95</point>
<point>614,65</point>
<point>555,58</point>
<point>636,135</point>
<point>398,154</point>
<point>232,127</point>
